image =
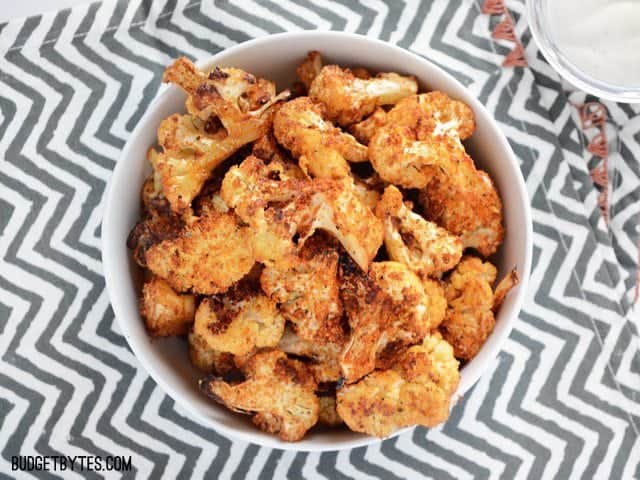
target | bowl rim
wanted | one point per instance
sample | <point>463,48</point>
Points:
<point>146,361</point>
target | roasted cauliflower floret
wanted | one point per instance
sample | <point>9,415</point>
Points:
<point>239,321</point>
<point>325,356</point>
<point>420,148</point>
<point>166,312</point>
<point>264,198</point>
<point>417,390</point>
<point>228,109</point>
<point>385,307</point>
<point>241,91</point>
<point>189,156</point>
<point>152,187</point>
<point>277,210</point>
<point>208,256</point>
<point>402,158</point>
<point>367,195</point>
<point>309,69</point>
<point>455,195</point>
<point>322,150</point>
<point>349,99</point>
<point>470,314</point>
<point>158,224</point>
<point>308,293</point>
<point>207,359</point>
<point>434,289</point>
<point>424,247</point>
<point>278,391</point>
<point>335,207</point>
<point>366,129</point>
<point>328,411</point>
<point>279,165</point>
<point>434,114</point>
<point>504,286</point>
<point>465,201</point>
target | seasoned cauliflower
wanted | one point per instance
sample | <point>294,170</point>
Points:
<point>264,198</point>
<point>158,224</point>
<point>152,187</point>
<point>208,256</point>
<point>420,148</point>
<point>328,413</point>
<point>308,293</point>
<point>239,321</point>
<point>207,359</point>
<point>309,68</point>
<point>335,207</point>
<point>434,290</point>
<point>416,390</point>
<point>387,306</point>
<point>278,391</point>
<point>325,356</point>
<point>366,194</point>
<point>276,210</point>
<point>427,249</point>
<point>504,286</point>
<point>165,311</point>
<point>455,194</point>
<point>349,99</point>
<point>402,158</point>
<point>321,149</point>
<point>465,202</point>
<point>366,129</point>
<point>189,156</point>
<point>231,90</point>
<point>228,109</point>
<point>471,301</point>
<point>434,114</point>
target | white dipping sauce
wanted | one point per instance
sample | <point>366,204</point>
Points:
<point>599,37</point>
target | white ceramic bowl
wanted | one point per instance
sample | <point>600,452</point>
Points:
<point>276,57</point>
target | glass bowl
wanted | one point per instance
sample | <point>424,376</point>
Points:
<point>539,22</point>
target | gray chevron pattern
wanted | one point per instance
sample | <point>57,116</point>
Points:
<point>563,398</point>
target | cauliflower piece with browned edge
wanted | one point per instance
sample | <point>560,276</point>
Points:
<point>328,411</point>
<point>465,201</point>
<point>239,321</point>
<point>277,210</point>
<point>434,114</point>
<point>335,207</point>
<point>434,289</point>
<point>309,68</point>
<point>386,307</point>
<point>278,391</point>
<point>366,129</point>
<point>209,255</point>
<point>308,293</point>
<point>228,109</point>
<point>470,314</point>
<point>159,223</point>
<point>324,356</point>
<point>402,158</point>
<point>349,99</point>
<point>420,147</point>
<point>416,390</point>
<point>166,312</point>
<point>207,359</point>
<point>424,247</point>
<point>322,150</point>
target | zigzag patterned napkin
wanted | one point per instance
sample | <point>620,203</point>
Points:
<point>563,397</point>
